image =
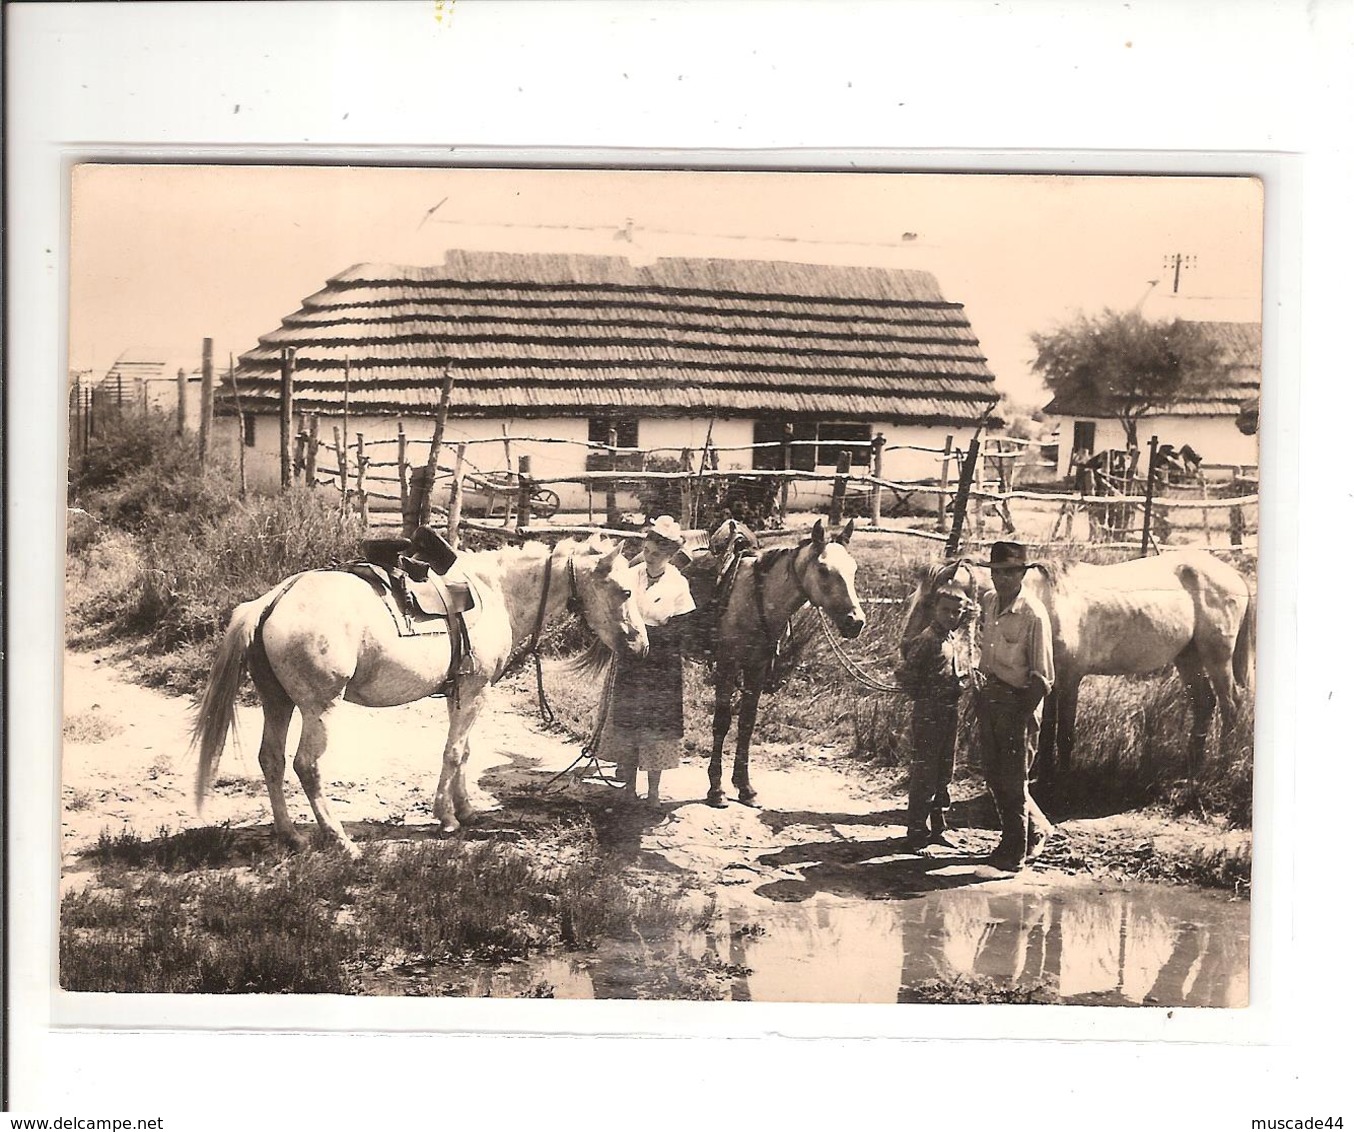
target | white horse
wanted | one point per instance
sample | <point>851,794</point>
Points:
<point>325,635</point>
<point>1185,608</point>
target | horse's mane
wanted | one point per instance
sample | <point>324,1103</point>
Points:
<point>537,551</point>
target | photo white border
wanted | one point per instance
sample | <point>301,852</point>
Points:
<point>45,137</point>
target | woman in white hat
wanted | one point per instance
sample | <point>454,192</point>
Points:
<point>643,730</point>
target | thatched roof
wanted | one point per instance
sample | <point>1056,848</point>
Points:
<point>1239,346</point>
<point>538,335</point>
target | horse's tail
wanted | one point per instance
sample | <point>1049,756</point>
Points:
<point>1243,655</point>
<point>216,716</point>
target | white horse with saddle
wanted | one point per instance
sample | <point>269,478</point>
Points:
<point>324,636</point>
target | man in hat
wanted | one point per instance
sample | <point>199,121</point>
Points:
<point>934,672</point>
<point>1015,674</point>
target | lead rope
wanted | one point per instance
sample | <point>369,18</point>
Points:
<point>851,667</point>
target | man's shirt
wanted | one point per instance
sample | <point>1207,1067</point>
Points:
<point>1017,643</point>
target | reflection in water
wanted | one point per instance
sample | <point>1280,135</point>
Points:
<point>1131,946</point>
<point>1166,947</point>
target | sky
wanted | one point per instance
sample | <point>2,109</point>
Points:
<point>164,256</point>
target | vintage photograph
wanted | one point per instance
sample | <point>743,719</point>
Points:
<point>629,584</point>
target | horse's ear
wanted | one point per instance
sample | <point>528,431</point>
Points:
<point>819,535</point>
<point>608,560</point>
<point>845,536</point>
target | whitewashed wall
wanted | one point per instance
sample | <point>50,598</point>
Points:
<point>1215,438</point>
<point>487,453</point>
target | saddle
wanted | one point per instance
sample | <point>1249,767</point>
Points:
<point>420,585</point>
<point>710,574</point>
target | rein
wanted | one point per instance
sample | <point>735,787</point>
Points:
<point>759,591</point>
<point>532,645</point>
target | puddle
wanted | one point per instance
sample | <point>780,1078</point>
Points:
<point>1124,946</point>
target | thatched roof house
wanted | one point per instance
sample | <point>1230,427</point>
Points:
<point>1238,345</point>
<point>572,335</point>
<point>1212,425</point>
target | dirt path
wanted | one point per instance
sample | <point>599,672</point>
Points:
<point>128,766</point>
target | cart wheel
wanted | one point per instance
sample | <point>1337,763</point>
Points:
<point>544,503</point>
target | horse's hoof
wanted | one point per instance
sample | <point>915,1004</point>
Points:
<point>748,798</point>
<point>716,799</point>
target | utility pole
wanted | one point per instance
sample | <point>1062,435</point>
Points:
<point>1176,264</point>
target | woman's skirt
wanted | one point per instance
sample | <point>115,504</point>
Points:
<point>643,727</point>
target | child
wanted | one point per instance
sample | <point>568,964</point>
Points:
<point>933,673</point>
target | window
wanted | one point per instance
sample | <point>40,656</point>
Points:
<point>249,430</point>
<point>1083,436</point>
<point>774,431</point>
<point>853,433</point>
<point>627,436</point>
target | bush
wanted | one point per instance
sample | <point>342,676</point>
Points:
<point>139,476</point>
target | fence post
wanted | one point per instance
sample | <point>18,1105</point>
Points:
<point>979,481</point>
<point>239,416</point>
<point>877,492</point>
<point>687,461</point>
<point>786,457</point>
<point>961,498</point>
<point>1147,497</point>
<point>943,494</point>
<point>454,504</point>
<point>834,513</point>
<point>312,450</point>
<point>402,447</point>
<point>1208,526</point>
<point>523,492</point>
<point>342,454</point>
<point>362,482</point>
<point>181,413</point>
<point>613,514</point>
<point>204,440</point>
<point>425,501</point>
<point>285,415</point>
<point>1235,520</point>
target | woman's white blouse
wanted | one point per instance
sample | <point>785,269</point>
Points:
<point>664,599</point>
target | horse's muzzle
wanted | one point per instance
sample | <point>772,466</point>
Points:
<point>850,626</point>
<point>636,643</point>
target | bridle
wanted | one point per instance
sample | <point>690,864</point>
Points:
<point>759,590</point>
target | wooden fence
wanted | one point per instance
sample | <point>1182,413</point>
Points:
<point>399,480</point>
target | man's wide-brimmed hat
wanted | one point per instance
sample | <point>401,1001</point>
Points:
<point>1007,555</point>
<point>667,528</point>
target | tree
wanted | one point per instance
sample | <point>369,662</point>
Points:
<point>1122,364</point>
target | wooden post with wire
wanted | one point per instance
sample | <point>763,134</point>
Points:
<point>613,514</point>
<point>181,411</point>
<point>204,438</point>
<point>942,496</point>
<point>239,417</point>
<point>961,498</point>
<point>834,512</point>
<point>786,464</point>
<point>402,464</point>
<point>877,489</point>
<point>454,504</point>
<point>523,493</point>
<point>425,502</point>
<point>342,465</point>
<point>362,482</point>
<point>687,461</point>
<point>285,415</point>
<point>1147,497</point>
<point>312,449</point>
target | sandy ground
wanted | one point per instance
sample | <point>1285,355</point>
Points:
<point>128,766</point>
